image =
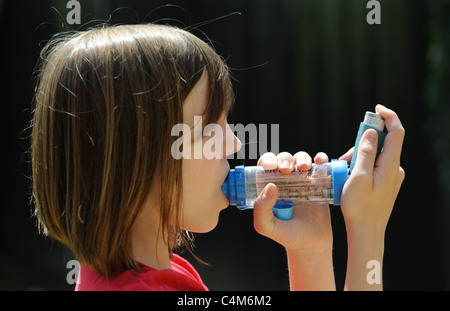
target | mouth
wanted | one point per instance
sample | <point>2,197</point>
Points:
<point>223,180</point>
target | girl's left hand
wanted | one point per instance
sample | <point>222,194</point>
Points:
<point>309,230</point>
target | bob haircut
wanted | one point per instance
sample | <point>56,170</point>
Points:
<point>105,102</point>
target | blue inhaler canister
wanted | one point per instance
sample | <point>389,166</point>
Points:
<point>371,121</point>
<point>322,183</point>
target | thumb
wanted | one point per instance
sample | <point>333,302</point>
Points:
<point>367,152</point>
<point>263,218</point>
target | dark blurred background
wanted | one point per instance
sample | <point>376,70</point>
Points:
<point>312,66</point>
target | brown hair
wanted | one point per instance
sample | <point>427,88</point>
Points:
<point>105,102</point>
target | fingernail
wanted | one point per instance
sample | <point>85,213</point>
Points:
<point>302,165</point>
<point>301,160</point>
<point>285,164</point>
<point>271,161</point>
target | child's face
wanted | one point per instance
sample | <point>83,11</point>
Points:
<point>203,198</point>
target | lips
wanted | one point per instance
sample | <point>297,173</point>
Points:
<point>223,180</point>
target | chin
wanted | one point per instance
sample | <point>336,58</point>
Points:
<point>207,224</point>
<point>205,228</point>
<point>207,214</point>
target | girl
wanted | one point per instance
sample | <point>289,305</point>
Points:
<point>106,186</point>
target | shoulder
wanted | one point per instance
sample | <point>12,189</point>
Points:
<point>181,265</point>
<point>183,277</point>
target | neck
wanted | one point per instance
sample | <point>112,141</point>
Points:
<point>149,245</point>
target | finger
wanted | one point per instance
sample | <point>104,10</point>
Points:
<point>285,162</point>
<point>268,161</point>
<point>321,158</point>
<point>367,152</point>
<point>394,139</point>
<point>263,218</point>
<point>303,161</point>
<point>348,155</point>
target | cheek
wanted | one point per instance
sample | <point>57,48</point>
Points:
<point>199,179</point>
<point>199,191</point>
<point>201,197</point>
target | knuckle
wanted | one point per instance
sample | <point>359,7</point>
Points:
<point>393,174</point>
<point>367,149</point>
<point>403,132</point>
<point>399,129</point>
<point>401,174</point>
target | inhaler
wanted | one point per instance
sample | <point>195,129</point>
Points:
<point>322,183</point>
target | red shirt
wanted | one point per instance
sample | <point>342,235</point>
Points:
<point>182,277</point>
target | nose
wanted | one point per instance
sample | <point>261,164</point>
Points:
<point>232,142</point>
